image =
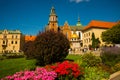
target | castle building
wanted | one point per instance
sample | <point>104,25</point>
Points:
<point>68,30</point>
<point>96,27</point>
<point>11,41</point>
<point>79,36</point>
<point>53,21</point>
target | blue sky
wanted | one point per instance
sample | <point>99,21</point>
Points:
<point>31,16</point>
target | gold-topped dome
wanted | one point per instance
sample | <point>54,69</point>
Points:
<point>74,35</point>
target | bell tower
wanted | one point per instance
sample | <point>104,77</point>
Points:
<point>53,20</point>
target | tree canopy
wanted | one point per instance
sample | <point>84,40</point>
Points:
<point>95,41</point>
<point>112,35</point>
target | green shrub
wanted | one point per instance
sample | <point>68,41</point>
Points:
<point>116,67</point>
<point>106,68</point>
<point>94,73</point>
<point>50,47</point>
<point>90,60</point>
<point>2,57</point>
<point>110,56</point>
<point>13,55</point>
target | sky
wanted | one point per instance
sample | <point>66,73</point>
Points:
<point>31,16</point>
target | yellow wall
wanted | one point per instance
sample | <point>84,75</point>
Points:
<point>87,35</point>
<point>15,46</point>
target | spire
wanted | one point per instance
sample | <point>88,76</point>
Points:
<point>78,19</point>
<point>52,11</point>
<point>78,23</point>
<point>66,23</point>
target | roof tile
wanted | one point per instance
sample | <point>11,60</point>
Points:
<point>100,24</point>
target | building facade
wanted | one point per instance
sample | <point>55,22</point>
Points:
<point>96,27</point>
<point>66,29</point>
<point>11,41</point>
<point>80,36</point>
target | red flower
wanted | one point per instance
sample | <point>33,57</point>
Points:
<point>67,68</point>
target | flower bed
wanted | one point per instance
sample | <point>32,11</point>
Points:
<point>67,70</point>
<point>38,74</point>
<point>61,71</point>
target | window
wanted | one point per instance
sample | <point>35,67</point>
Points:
<point>11,42</point>
<point>89,33</point>
<point>12,36</point>
<point>53,24</point>
<point>15,42</point>
<point>53,18</point>
<point>16,37</point>
<point>3,42</point>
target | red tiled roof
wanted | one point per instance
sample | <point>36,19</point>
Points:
<point>99,24</point>
<point>29,38</point>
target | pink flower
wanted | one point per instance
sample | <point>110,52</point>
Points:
<point>38,74</point>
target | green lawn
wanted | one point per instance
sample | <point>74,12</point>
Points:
<point>74,57</point>
<point>10,66</point>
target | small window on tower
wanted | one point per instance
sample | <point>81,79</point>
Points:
<point>53,18</point>
<point>11,42</point>
<point>53,24</point>
<point>3,42</point>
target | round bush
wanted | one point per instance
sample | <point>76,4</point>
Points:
<point>91,60</point>
<point>50,47</point>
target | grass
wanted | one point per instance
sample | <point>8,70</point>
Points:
<point>11,66</point>
<point>76,58</point>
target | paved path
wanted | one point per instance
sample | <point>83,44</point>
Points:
<point>115,76</point>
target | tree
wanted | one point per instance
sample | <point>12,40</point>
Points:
<point>50,47</point>
<point>95,41</point>
<point>112,35</point>
<point>29,49</point>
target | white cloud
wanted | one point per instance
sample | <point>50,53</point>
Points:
<point>78,1</point>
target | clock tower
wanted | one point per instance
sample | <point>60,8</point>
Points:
<point>53,20</point>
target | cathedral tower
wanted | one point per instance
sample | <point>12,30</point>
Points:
<point>53,20</point>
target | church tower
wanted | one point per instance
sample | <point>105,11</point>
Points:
<point>53,20</point>
<point>78,23</point>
